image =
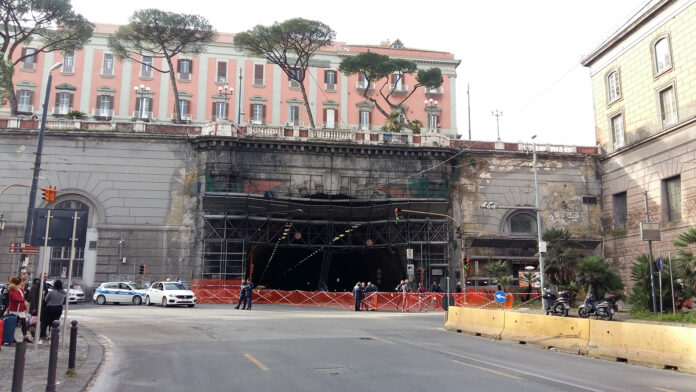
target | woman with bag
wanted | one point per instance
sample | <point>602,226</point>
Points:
<point>18,305</point>
<point>54,307</point>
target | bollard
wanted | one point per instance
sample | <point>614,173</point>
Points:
<point>18,373</point>
<point>53,358</point>
<point>73,347</point>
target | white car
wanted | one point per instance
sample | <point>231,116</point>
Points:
<point>169,294</point>
<point>117,292</point>
<point>75,294</point>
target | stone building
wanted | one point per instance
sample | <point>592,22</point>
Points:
<point>644,88</point>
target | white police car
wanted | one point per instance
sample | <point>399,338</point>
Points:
<point>75,294</point>
<point>170,294</point>
<point>117,292</point>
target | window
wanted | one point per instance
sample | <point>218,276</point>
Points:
<point>108,65</point>
<point>29,62</point>
<point>221,76</point>
<point>297,76</point>
<point>397,81</point>
<point>68,63</point>
<point>183,108</point>
<point>146,67</point>
<point>613,86</point>
<point>433,122</point>
<point>671,191</point>
<point>63,103</point>
<point>143,107</point>
<point>257,113</point>
<point>258,74</point>
<point>523,223</point>
<point>364,121</point>
<point>60,257</point>
<point>668,106</point>
<point>617,131</point>
<point>294,115</point>
<point>105,106</point>
<point>620,211</point>
<point>220,110</point>
<point>330,80</point>
<point>663,57</point>
<point>184,68</point>
<point>24,101</point>
<point>330,118</point>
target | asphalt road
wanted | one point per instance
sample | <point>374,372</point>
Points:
<point>284,348</point>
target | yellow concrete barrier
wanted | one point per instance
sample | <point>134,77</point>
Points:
<point>569,334</point>
<point>661,345</point>
<point>476,321</point>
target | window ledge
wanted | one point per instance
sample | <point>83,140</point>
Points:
<point>258,85</point>
<point>107,76</point>
<point>146,77</point>
<point>67,73</point>
<point>330,90</point>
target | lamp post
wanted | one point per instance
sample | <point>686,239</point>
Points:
<point>430,106</point>
<point>37,164</point>
<point>239,101</point>
<point>225,91</point>
<point>497,116</point>
<point>141,90</point>
<point>538,216</point>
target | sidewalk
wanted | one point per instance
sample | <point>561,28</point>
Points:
<point>89,356</point>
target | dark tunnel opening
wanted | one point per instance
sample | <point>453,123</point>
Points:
<point>292,269</point>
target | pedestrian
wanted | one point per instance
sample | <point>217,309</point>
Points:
<point>421,297</point>
<point>34,293</point>
<point>458,289</point>
<point>5,293</point>
<point>18,304</point>
<point>404,295</point>
<point>242,294</point>
<point>436,290</point>
<point>398,290</point>
<point>54,307</point>
<point>249,294</point>
<point>357,294</point>
<point>370,300</point>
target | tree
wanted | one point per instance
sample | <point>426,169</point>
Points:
<point>685,266</point>
<point>375,67</point>
<point>51,23</point>
<point>162,35</point>
<point>560,258</point>
<point>595,275</point>
<point>279,42</point>
<point>499,270</point>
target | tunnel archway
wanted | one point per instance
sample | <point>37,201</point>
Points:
<point>300,268</point>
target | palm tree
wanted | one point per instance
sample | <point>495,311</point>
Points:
<point>499,269</point>
<point>594,274</point>
<point>685,266</point>
<point>560,257</point>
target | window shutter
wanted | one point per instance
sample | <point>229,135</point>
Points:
<point>326,76</point>
<point>263,114</point>
<point>369,118</point>
<point>214,112</point>
<point>149,105</point>
<point>24,53</point>
<point>324,116</point>
<point>111,103</point>
<point>57,102</point>
<point>227,111</point>
<point>222,68</point>
<point>97,107</point>
<point>250,115</point>
<point>178,65</point>
<point>31,97</point>
<point>188,108</point>
<point>70,101</point>
<point>190,67</point>
<point>137,104</point>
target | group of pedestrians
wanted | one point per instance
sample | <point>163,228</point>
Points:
<point>360,293</point>
<point>22,302</point>
<point>246,291</point>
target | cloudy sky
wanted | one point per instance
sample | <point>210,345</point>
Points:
<point>518,57</point>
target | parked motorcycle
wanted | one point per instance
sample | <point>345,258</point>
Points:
<point>555,303</point>
<point>603,310</point>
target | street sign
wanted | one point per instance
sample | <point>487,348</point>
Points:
<point>19,244</point>
<point>298,235</point>
<point>500,296</point>
<point>26,250</point>
<point>409,254</point>
<point>369,242</point>
<point>659,263</point>
<point>410,269</point>
<point>650,231</point>
<point>60,231</point>
<point>542,246</point>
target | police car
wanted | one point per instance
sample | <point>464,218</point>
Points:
<point>170,294</point>
<point>117,292</point>
<point>75,294</point>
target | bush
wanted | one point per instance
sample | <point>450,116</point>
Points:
<point>595,274</point>
<point>75,114</point>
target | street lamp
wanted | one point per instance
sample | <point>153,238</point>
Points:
<point>221,113</point>
<point>37,163</point>
<point>141,90</point>
<point>239,101</point>
<point>497,114</point>
<point>431,116</point>
<point>538,216</point>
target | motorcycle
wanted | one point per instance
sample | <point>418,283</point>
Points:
<point>603,310</point>
<point>555,303</point>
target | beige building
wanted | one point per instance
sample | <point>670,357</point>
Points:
<point>644,92</point>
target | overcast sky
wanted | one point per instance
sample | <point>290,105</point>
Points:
<point>519,57</point>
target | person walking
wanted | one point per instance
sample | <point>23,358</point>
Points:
<point>370,300</point>
<point>357,294</point>
<point>398,290</point>
<point>34,293</point>
<point>53,309</point>
<point>436,290</point>
<point>404,295</point>
<point>18,304</point>
<point>421,296</point>
<point>458,289</point>
<point>249,294</point>
<point>242,294</point>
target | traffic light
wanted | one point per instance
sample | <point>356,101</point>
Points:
<point>45,192</point>
<point>397,214</point>
<point>49,193</point>
<point>465,263</point>
<point>459,232</point>
<point>142,269</point>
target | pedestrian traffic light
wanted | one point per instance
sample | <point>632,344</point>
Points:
<point>465,263</point>
<point>397,214</point>
<point>142,269</point>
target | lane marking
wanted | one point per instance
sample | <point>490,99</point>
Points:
<point>489,370</point>
<point>382,340</point>
<point>663,389</point>
<point>256,361</point>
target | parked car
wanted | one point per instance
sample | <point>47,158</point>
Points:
<point>75,294</point>
<point>169,294</point>
<point>117,292</point>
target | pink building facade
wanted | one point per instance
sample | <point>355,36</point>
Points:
<point>225,84</point>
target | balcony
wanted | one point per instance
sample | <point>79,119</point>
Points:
<point>330,86</point>
<point>103,113</point>
<point>362,85</point>
<point>25,108</point>
<point>398,89</point>
<point>294,84</point>
<point>142,115</point>
<point>184,77</point>
<point>434,91</point>
<point>221,79</point>
<point>28,66</point>
<point>60,110</point>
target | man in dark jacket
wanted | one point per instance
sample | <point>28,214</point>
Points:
<point>357,294</point>
<point>242,294</point>
<point>249,294</point>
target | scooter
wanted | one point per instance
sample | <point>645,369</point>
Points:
<point>556,304</point>
<point>604,310</point>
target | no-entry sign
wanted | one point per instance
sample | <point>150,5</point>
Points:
<point>369,242</point>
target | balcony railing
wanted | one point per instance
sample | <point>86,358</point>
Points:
<point>142,115</point>
<point>184,77</point>
<point>61,110</point>
<point>25,108</point>
<point>103,113</point>
<point>434,91</point>
<point>28,66</point>
<point>330,86</point>
<point>362,85</point>
<point>399,89</point>
<point>222,79</point>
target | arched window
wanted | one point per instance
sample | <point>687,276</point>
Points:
<point>613,86</point>
<point>522,223</point>
<point>663,55</point>
<point>60,256</point>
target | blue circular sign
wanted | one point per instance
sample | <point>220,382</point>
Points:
<point>500,296</point>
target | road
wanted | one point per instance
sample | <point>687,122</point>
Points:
<point>285,348</point>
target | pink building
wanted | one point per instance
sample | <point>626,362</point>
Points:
<point>223,83</point>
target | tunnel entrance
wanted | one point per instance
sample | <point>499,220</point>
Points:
<point>301,269</point>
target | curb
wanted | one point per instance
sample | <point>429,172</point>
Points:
<point>88,369</point>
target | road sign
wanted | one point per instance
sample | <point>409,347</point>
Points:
<point>650,231</point>
<point>410,269</point>
<point>500,296</point>
<point>27,250</point>
<point>19,244</point>
<point>542,246</point>
<point>409,254</point>
<point>659,263</point>
<point>298,235</point>
<point>369,242</point>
